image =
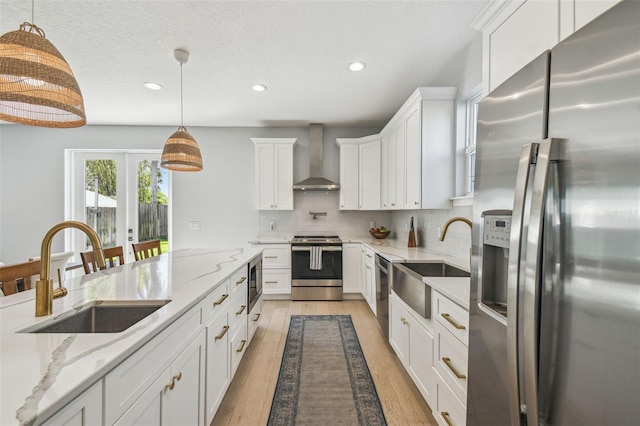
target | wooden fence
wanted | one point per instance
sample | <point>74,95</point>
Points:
<point>153,223</point>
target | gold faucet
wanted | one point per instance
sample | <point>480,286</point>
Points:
<point>44,286</point>
<point>450,221</point>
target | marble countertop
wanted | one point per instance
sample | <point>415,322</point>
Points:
<point>40,373</point>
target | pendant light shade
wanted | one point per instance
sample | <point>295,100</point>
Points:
<point>181,152</point>
<point>37,87</point>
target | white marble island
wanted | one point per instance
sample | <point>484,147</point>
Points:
<point>41,373</point>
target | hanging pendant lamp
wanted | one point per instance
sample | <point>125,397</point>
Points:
<point>37,86</point>
<point>181,152</point>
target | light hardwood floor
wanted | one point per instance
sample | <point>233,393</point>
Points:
<point>248,400</point>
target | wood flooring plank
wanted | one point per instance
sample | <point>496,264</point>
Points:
<point>248,400</point>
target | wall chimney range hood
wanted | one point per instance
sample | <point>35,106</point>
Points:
<point>316,182</point>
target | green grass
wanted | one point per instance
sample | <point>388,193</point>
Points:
<point>164,246</point>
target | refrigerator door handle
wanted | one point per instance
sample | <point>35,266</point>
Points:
<point>527,157</point>
<point>533,275</point>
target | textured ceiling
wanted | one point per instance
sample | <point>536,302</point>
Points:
<point>298,49</point>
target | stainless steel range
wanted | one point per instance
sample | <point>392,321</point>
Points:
<point>316,268</point>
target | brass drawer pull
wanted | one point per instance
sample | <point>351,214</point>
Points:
<point>271,257</point>
<point>452,368</point>
<point>171,384</point>
<point>445,416</point>
<point>224,331</point>
<point>256,318</point>
<point>244,342</point>
<point>453,322</point>
<point>222,299</point>
<point>178,376</point>
<point>243,279</point>
<point>271,282</point>
<point>241,309</point>
<point>404,321</point>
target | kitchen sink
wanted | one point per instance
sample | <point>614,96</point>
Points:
<point>408,285</point>
<point>100,316</point>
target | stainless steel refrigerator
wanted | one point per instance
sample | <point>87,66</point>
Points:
<point>555,299</point>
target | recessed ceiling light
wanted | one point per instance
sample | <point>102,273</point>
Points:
<point>357,66</point>
<point>152,86</point>
<point>259,87</point>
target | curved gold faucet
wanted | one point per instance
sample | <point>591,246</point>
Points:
<point>44,286</point>
<point>450,221</point>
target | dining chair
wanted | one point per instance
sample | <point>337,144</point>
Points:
<point>146,249</point>
<point>11,275</point>
<point>113,256</point>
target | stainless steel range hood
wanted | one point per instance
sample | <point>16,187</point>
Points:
<point>316,182</point>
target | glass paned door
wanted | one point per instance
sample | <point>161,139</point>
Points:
<point>124,196</point>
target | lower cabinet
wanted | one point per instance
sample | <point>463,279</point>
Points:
<point>237,345</point>
<point>253,319</point>
<point>85,410</point>
<point>369,276</point>
<point>176,397</point>
<point>218,372</point>
<point>412,338</point>
<point>352,267</point>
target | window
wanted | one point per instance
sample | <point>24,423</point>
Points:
<point>470,140</point>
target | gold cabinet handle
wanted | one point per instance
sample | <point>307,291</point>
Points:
<point>404,320</point>
<point>170,385</point>
<point>244,342</point>
<point>241,309</point>
<point>416,202</point>
<point>271,257</point>
<point>178,376</point>
<point>369,255</point>
<point>243,279</point>
<point>453,322</point>
<point>256,318</point>
<point>222,299</point>
<point>224,331</point>
<point>271,282</point>
<point>452,368</point>
<point>445,416</point>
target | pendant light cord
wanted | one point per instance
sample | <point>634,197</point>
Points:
<point>181,100</point>
<point>32,11</point>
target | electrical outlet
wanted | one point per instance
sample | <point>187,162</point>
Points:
<point>406,227</point>
<point>194,224</point>
<point>372,224</point>
<point>272,225</point>
<point>439,231</point>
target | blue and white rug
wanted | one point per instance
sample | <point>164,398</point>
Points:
<point>324,378</point>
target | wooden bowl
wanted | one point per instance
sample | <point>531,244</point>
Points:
<point>379,234</point>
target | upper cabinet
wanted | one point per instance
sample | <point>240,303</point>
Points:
<point>516,32</point>
<point>274,173</point>
<point>360,173</point>
<point>417,145</point>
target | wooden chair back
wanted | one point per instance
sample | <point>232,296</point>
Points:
<point>113,256</point>
<point>10,275</point>
<point>146,249</point>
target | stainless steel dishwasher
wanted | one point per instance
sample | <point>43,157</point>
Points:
<point>382,294</point>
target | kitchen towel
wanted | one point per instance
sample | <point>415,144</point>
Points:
<point>315,258</point>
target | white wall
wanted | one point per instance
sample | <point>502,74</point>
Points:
<point>221,197</point>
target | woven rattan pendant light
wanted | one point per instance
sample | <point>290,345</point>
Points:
<point>181,152</point>
<point>37,87</point>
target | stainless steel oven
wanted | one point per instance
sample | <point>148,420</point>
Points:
<point>255,280</point>
<point>316,268</point>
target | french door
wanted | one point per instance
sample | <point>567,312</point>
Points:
<point>122,195</point>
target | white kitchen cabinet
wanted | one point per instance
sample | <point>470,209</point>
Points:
<point>363,173</point>
<point>237,345</point>
<point>412,338</point>
<point>369,275</point>
<point>218,363</point>
<point>253,319</point>
<point>176,397</point>
<point>276,270</point>
<point>410,155</point>
<point>352,268</point>
<point>85,410</point>
<point>274,173</point>
<point>516,32</point>
<point>389,182</point>
<point>349,179</point>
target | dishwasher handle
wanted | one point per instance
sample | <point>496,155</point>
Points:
<point>382,264</point>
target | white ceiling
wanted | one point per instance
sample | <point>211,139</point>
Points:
<point>298,49</point>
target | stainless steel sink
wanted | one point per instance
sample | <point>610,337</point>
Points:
<point>408,285</point>
<point>100,316</point>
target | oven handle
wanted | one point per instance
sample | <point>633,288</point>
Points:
<point>308,248</point>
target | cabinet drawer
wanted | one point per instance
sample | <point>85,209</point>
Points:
<point>237,308</point>
<point>217,376</point>
<point>237,346</point>
<point>451,361</point>
<point>238,280</point>
<point>216,302</point>
<point>129,380</point>
<point>452,317</point>
<point>276,281</point>
<point>369,255</point>
<point>450,411</point>
<point>276,256</point>
<point>253,319</point>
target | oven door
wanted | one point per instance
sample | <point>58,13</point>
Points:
<point>329,275</point>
